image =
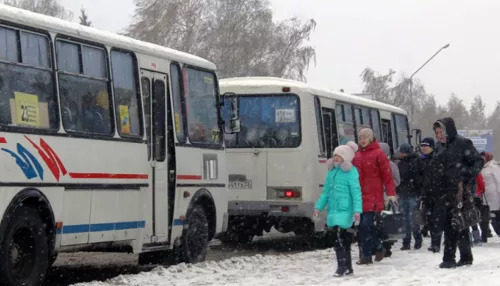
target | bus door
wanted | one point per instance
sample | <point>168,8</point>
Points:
<point>330,131</point>
<point>387,134</point>
<point>155,94</point>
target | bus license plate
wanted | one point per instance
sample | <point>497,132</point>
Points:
<point>240,184</point>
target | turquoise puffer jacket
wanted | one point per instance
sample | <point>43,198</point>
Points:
<point>342,194</point>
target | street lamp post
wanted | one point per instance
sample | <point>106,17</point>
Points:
<point>411,80</point>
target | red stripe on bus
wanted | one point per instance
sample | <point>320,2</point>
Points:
<point>188,177</point>
<point>322,161</point>
<point>106,176</point>
<point>3,140</point>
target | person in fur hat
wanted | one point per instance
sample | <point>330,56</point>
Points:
<point>342,194</point>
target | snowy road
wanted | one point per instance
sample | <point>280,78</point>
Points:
<point>316,268</point>
<point>72,268</point>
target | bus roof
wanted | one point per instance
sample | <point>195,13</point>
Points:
<point>43,22</point>
<point>321,92</point>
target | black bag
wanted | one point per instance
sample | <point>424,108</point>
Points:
<point>465,214</point>
<point>392,224</point>
<point>418,214</point>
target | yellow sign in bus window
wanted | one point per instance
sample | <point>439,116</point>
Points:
<point>27,109</point>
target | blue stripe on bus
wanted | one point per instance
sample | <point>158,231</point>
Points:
<point>178,222</point>
<point>99,227</point>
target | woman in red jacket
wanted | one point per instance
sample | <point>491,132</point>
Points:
<point>374,173</point>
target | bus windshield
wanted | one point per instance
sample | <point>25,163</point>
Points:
<point>267,121</point>
<point>201,107</point>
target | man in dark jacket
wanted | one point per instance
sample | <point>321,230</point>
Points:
<point>458,163</point>
<point>408,192</point>
<point>431,179</point>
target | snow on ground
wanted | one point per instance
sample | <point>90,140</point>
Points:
<point>317,267</point>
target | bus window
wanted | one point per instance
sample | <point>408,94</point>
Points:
<point>127,98</point>
<point>27,96</point>
<point>175,74</point>
<point>268,121</point>
<point>362,118</point>
<point>146,94</point>
<point>319,126</point>
<point>375,117</point>
<point>201,108</point>
<point>345,124</point>
<point>85,98</point>
<point>401,124</point>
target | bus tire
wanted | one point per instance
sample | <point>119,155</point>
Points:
<point>194,240</point>
<point>24,244</point>
<point>52,259</point>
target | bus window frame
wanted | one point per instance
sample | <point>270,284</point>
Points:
<point>138,93</point>
<point>79,41</point>
<point>378,136</point>
<point>182,99</point>
<point>321,128</point>
<point>51,47</point>
<point>203,145</point>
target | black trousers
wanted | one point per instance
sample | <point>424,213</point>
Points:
<point>435,212</point>
<point>454,239</point>
<point>342,238</point>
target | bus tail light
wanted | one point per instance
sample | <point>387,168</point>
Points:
<point>288,194</point>
<point>285,89</point>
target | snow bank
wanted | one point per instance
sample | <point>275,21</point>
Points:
<point>316,268</point>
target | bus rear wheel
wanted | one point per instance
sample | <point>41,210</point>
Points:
<point>24,249</point>
<point>194,240</point>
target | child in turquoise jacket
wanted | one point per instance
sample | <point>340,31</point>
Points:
<point>342,194</point>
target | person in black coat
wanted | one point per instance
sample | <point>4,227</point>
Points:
<point>431,178</point>
<point>409,193</point>
<point>458,163</point>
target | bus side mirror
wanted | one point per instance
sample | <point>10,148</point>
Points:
<point>234,121</point>
<point>417,137</point>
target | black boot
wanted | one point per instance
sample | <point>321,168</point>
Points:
<point>350,271</point>
<point>341,262</point>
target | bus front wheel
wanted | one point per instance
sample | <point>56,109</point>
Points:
<point>194,240</point>
<point>24,249</point>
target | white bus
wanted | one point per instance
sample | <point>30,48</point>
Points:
<point>106,143</point>
<point>277,161</point>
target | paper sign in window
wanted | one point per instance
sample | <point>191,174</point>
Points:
<point>27,109</point>
<point>125,119</point>
<point>285,116</point>
<point>177,123</point>
<point>208,80</point>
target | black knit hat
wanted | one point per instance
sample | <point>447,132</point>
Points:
<point>427,141</point>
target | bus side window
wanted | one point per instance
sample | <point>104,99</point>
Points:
<point>146,95</point>
<point>345,124</point>
<point>127,96</point>
<point>84,88</point>
<point>401,124</point>
<point>375,123</point>
<point>27,96</point>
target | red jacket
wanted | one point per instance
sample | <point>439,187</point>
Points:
<point>374,172</point>
<point>480,185</point>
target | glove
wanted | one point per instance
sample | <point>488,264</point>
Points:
<point>329,163</point>
<point>392,200</point>
<point>357,219</point>
<point>315,214</point>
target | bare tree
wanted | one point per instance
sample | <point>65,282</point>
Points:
<point>47,7</point>
<point>84,18</point>
<point>240,36</point>
<point>477,114</point>
<point>457,110</point>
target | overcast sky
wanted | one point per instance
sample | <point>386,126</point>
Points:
<point>381,34</point>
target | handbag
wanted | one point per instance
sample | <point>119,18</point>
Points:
<point>465,214</point>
